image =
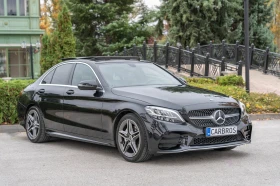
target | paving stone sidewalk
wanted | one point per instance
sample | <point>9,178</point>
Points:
<point>263,83</point>
<point>259,82</point>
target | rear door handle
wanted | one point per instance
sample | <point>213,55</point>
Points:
<point>41,91</point>
<point>69,92</point>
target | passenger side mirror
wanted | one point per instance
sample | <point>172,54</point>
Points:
<point>88,85</point>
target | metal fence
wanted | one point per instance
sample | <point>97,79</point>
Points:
<point>263,60</point>
<point>208,61</point>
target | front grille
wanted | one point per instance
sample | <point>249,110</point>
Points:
<point>216,140</point>
<point>209,112</point>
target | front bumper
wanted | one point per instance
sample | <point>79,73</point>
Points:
<point>165,137</point>
<point>185,148</point>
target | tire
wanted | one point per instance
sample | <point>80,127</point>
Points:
<point>35,126</point>
<point>225,149</point>
<point>131,147</point>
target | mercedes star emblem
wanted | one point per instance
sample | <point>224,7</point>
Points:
<point>219,117</point>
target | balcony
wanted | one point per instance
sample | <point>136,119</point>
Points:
<point>19,25</point>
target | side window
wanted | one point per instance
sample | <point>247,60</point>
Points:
<point>61,75</point>
<point>81,73</point>
<point>48,78</point>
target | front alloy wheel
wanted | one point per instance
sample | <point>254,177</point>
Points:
<point>131,139</point>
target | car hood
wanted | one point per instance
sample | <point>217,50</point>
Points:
<point>174,97</point>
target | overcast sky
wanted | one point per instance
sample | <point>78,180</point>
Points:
<point>152,3</point>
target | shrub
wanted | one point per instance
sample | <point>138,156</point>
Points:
<point>230,80</point>
<point>9,93</point>
<point>256,103</point>
<point>222,80</point>
<point>200,80</point>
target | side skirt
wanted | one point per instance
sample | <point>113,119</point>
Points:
<point>77,138</point>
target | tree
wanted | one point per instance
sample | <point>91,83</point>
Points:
<point>102,27</point>
<point>122,33</point>
<point>44,53</point>
<point>161,16</point>
<point>129,29</point>
<point>260,18</point>
<point>67,43</point>
<point>275,25</point>
<point>50,51</point>
<point>195,21</point>
<point>58,44</point>
<point>45,22</point>
<point>50,10</point>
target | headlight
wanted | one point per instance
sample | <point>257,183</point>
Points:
<point>243,109</point>
<point>164,114</point>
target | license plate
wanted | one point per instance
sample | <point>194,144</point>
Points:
<point>221,131</point>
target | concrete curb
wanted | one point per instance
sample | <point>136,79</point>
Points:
<point>254,117</point>
<point>264,116</point>
<point>11,128</point>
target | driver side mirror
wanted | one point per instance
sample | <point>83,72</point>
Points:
<point>89,85</point>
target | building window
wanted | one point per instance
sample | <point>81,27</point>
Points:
<point>1,7</point>
<point>12,7</point>
<point>19,65</point>
<point>23,7</point>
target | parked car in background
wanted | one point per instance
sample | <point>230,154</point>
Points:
<point>136,106</point>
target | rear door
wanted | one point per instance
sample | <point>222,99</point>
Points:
<point>50,92</point>
<point>82,108</point>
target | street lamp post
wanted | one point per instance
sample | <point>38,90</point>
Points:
<point>38,45</point>
<point>246,34</point>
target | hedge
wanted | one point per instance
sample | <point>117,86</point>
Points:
<point>256,103</point>
<point>9,93</point>
<point>222,80</point>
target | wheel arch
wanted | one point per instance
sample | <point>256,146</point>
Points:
<point>120,115</point>
<point>27,108</point>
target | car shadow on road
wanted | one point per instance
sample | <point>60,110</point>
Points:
<point>194,157</point>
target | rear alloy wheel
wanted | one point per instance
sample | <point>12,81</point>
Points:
<point>32,124</point>
<point>131,139</point>
<point>35,127</point>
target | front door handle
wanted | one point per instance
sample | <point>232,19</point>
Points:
<point>69,92</point>
<point>41,91</point>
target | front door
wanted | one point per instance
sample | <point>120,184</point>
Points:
<point>50,92</point>
<point>82,108</point>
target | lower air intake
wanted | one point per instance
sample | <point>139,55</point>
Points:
<point>216,140</point>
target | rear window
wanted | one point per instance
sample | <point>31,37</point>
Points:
<point>48,78</point>
<point>61,74</point>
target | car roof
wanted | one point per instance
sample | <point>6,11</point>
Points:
<point>104,58</point>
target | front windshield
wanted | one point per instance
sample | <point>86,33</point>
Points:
<point>135,74</point>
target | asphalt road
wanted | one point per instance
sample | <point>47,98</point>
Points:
<point>67,162</point>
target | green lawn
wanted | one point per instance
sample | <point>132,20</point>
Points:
<point>233,86</point>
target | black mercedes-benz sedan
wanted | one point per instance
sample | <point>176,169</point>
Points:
<point>136,106</point>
